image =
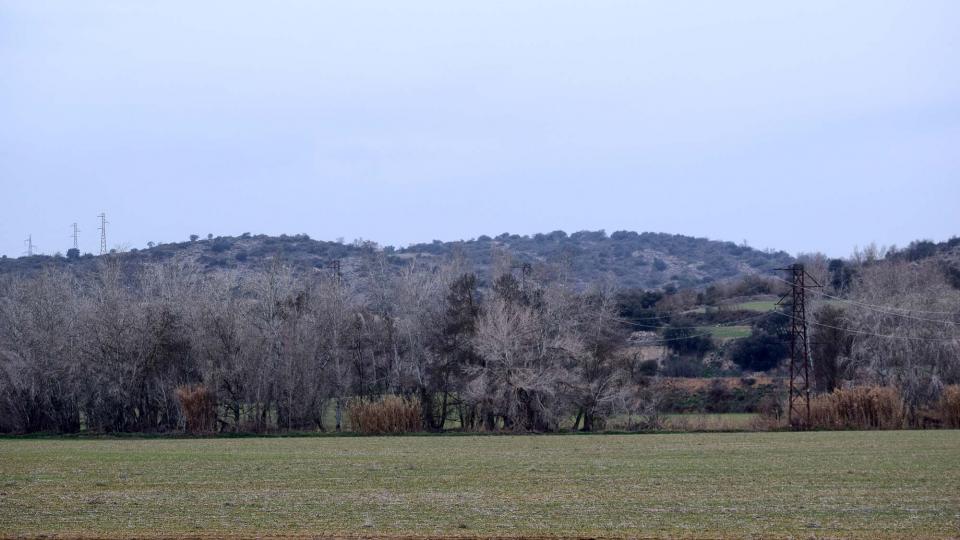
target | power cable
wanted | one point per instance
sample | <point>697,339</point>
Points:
<point>851,331</point>
<point>728,323</point>
<point>886,310</point>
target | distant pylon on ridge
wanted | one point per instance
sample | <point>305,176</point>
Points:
<point>103,232</point>
<point>75,236</point>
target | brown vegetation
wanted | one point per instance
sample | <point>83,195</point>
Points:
<point>390,414</point>
<point>949,407</point>
<point>695,384</point>
<point>199,407</point>
<point>867,407</point>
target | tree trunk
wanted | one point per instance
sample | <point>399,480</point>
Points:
<point>443,412</point>
<point>576,423</point>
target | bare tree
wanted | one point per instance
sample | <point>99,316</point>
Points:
<point>39,330</point>
<point>524,361</point>
<point>903,322</point>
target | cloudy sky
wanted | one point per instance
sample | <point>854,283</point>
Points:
<point>799,126</point>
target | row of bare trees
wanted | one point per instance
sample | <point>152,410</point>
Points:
<point>897,326</point>
<point>120,349</point>
<point>107,351</point>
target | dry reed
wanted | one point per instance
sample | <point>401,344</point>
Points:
<point>864,407</point>
<point>948,407</point>
<point>199,407</point>
<point>390,414</point>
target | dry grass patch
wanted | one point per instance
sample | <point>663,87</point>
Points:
<point>199,407</point>
<point>390,414</point>
<point>865,407</point>
<point>949,407</point>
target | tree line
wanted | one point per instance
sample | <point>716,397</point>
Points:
<point>118,348</point>
<point>107,351</point>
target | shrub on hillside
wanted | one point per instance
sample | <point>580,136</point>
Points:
<point>759,352</point>
<point>686,340</point>
<point>220,245</point>
<point>682,366</point>
<point>391,414</point>
<point>648,368</point>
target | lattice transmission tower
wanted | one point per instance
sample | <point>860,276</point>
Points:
<point>76,236</point>
<point>31,247</point>
<point>103,232</point>
<point>798,399</point>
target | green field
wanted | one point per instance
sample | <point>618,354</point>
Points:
<point>866,484</point>
<point>758,305</point>
<point>726,332</point>
<point>709,421</point>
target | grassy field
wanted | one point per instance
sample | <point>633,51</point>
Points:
<point>709,421</point>
<point>859,484</point>
<point>758,305</point>
<point>727,332</point>
<point>692,421</point>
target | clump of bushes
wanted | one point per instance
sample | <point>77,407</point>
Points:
<point>864,407</point>
<point>390,414</point>
<point>717,398</point>
<point>199,407</point>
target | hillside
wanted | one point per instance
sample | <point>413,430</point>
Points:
<point>647,260</point>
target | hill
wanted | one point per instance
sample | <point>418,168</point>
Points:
<point>647,260</point>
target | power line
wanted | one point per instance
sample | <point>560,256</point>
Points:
<point>654,341</point>
<point>814,323</point>
<point>889,336</point>
<point>670,313</point>
<point>695,336</point>
<point>721,325</point>
<point>884,310</point>
<point>889,310</point>
<point>667,315</point>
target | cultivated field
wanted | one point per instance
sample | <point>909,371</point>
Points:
<point>726,332</point>
<point>761,306</point>
<point>861,484</point>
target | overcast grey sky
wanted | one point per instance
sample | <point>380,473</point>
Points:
<point>799,126</point>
